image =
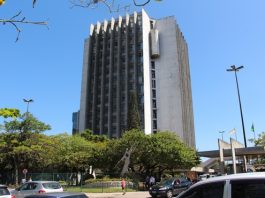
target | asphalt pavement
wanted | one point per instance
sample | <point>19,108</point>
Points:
<point>140,194</point>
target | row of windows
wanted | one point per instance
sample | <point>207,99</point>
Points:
<point>153,76</point>
<point>253,188</point>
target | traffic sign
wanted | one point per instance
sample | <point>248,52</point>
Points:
<point>25,171</point>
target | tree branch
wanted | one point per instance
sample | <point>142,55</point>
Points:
<point>15,21</point>
<point>141,4</point>
<point>110,4</point>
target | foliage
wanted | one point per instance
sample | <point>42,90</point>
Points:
<point>71,153</point>
<point>26,125</point>
<point>89,136</point>
<point>260,141</point>
<point>33,153</point>
<point>23,145</point>
<point>134,120</point>
<point>151,153</point>
<point>8,112</point>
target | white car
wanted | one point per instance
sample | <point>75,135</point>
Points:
<point>37,187</point>
<point>4,192</point>
<point>244,185</point>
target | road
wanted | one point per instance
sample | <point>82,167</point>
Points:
<point>141,194</point>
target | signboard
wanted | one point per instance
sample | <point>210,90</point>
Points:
<point>25,171</point>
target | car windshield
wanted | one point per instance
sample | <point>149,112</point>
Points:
<point>4,191</point>
<point>52,185</point>
<point>166,182</point>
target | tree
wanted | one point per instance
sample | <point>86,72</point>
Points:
<point>89,136</point>
<point>34,153</point>
<point>9,112</point>
<point>18,18</point>
<point>154,153</point>
<point>134,120</point>
<point>72,153</point>
<point>112,5</point>
<point>19,143</point>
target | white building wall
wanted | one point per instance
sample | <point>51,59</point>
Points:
<point>168,85</point>
<point>147,74</point>
<point>82,115</point>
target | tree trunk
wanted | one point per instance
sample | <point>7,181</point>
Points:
<point>16,172</point>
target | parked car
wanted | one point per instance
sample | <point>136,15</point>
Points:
<point>59,195</point>
<point>169,188</point>
<point>37,187</point>
<point>244,185</point>
<point>4,192</point>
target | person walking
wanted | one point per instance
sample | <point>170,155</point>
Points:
<point>152,181</point>
<point>123,186</point>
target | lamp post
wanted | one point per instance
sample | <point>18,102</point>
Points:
<point>222,132</point>
<point>28,101</point>
<point>236,69</point>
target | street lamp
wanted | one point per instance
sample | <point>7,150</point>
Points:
<point>236,69</point>
<point>222,132</point>
<point>28,101</point>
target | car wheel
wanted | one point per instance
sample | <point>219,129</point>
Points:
<point>169,194</point>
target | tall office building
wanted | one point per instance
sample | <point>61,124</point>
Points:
<point>138,55</point>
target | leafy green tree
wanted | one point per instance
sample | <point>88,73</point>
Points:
<point>150,153</point>
<point>20,142</point>
<point>72,153</point>
<point>33,153</point>
<point>89,136</point>
<point>134,120</point>
<point>9,112</point>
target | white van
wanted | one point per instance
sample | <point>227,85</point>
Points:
<point>243,185</point>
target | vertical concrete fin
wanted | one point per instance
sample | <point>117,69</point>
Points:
<point>98,27</point>
<point>112,23</point>
<point>92,27</point>
<point>120,21</point>
<point>127,19</point>
<point>105,25</point>
<point>135,17</point>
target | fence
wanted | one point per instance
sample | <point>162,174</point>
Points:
<point>80,183</point>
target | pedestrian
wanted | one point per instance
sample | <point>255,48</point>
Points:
<point>152,181</point>
<point>23,180</point>
<point>123,186</point>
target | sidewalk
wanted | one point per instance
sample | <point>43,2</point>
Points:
<point>141,194</point>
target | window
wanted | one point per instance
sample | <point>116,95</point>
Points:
<point>153,84</point>
<point>151,24</point>
<point>209,190</point>
<point>154,93</point>
<point>248,188</point>
<point>153,64</point>
<point>153,74</point>
<point>154,103</point>
<point>154,114</point>
<point>154,124</point>
<point>4,191</point>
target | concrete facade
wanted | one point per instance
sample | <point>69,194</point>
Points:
<point>136,53</point>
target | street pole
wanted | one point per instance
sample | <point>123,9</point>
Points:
<point>222,132</point>
<point>28,101</point>
<point>236,69</point>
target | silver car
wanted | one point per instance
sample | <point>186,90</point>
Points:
<point>4,192</point>
<point>37,187</point>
